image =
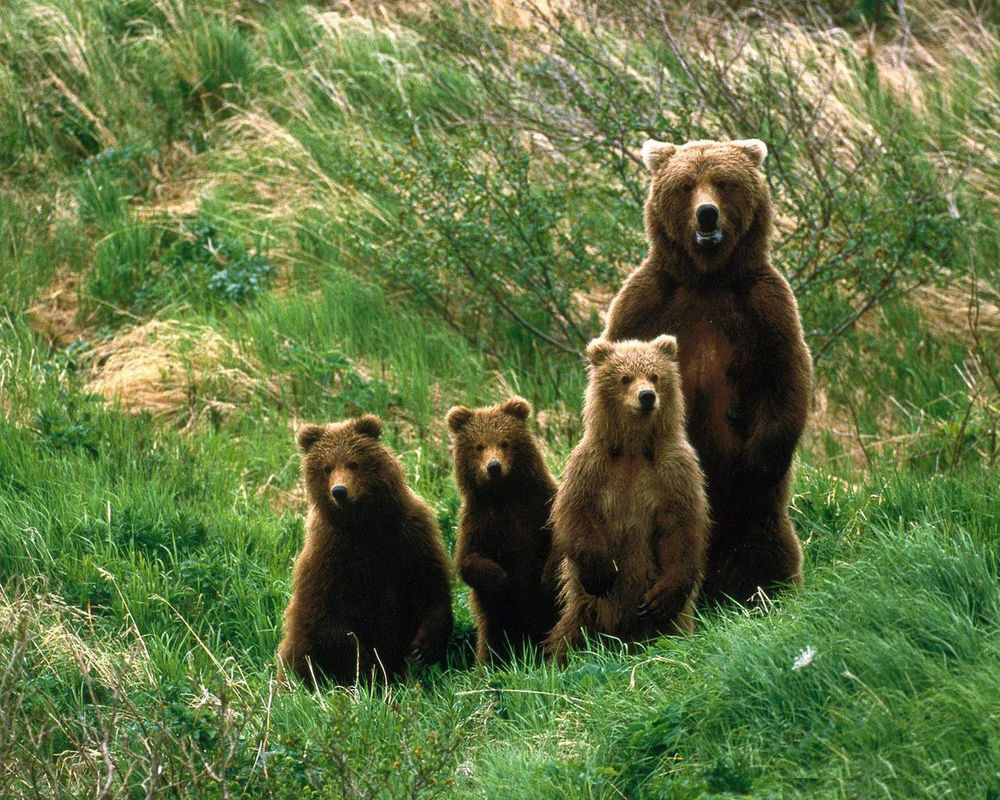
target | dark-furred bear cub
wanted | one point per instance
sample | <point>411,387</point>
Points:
<point>745,367</point>
<point>630,518</point>
<point>371,587</point>
<point>504,540</point>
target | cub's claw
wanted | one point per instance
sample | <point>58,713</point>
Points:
<point>417,655</point>
<point>644,609</point>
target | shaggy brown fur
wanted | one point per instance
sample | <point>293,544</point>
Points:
<point>631,515</point>
<point>504,540</point>
<point>745,367</point>
<point>371,587</point>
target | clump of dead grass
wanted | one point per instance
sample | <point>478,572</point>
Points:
<point>176,371</point>
<point>960,311</point>
<point>53,629</point>
<point>55,317</point>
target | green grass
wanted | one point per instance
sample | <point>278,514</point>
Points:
<point>304,184</point>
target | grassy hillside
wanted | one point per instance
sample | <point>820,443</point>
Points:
<point>219,220</point>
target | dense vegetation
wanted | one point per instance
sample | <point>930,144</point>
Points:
<point>218,220</point>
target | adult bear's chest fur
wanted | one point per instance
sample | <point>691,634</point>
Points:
<point>714,345</point>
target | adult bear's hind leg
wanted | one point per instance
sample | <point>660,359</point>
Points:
<point>767,559</point>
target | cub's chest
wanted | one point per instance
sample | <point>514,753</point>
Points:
<point>631,494</point>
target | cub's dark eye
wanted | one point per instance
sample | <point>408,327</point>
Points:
<point>504,445</point>
<point>688,187</point>
<point>720,184</point>
<point>353,465</point>
<point>654,378</point>
<point>626,380</point>
<point>328,469</point>
<point>480,447</point>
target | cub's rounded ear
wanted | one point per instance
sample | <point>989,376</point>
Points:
<point>368,425</point>
<point>517,407</point>
<point>458,417</point>
<point>754,148</point>
<point>666,344</point>
<point>598,351</point>
<point>308,435</point>
<point>655,153</point>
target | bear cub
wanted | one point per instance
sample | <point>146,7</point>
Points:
<point>504,541</point>
<point>371,588</point>
<point>630,518</point>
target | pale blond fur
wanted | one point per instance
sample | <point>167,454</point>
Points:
<point>630,519</point>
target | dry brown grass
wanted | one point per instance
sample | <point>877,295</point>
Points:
<point>63,636</point>
<point>954,311</point>
<point>175,371</point>
<point>55,317</point>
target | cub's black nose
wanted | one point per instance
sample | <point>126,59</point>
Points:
<point>708,217</point>
<point>494,469</point>
<point>339,493</point>
<point>647,399</point>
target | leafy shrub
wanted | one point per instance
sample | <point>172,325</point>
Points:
<point>480,235</point>
<point>867,215</point>
<point>144,268</point>
<point>205,258</point>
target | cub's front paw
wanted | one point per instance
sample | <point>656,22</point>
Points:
<point>597,573</point>
<point>662,605</point>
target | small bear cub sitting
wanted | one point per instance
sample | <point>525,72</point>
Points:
<point>371,587</point>
<point>504,541</point>
<point>630,518</point>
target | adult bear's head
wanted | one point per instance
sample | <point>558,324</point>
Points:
<point>708,202</point>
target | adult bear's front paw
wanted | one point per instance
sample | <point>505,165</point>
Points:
<point>597,573</point>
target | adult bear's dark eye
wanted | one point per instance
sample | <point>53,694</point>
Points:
<point>626,380</point>
<point>504,445</point>
<point>328,469</point>
<point>688,187</point>
<point>480,447</point>
<point>654,378</point>
<point>353,465</point>
<point>720,184</point>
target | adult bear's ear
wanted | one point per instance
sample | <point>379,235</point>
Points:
<point>308,435</point>
<point>598,351</point>
<point>754,148</point>
<point>666,344</point>
<point>655,153</point>
<point>517,407</point>
<point>368,425</point>
<point>458,417</point>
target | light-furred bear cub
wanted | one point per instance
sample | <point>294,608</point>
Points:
<point>504,540</point>
<point>630,518</point>
<point>371,587</point>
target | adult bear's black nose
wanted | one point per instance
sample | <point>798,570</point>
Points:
<point>494,469</point>
<point>647,399</point>
<point>707,216</point>
<point>339,492</point>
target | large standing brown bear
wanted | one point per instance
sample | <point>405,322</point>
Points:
<point>504,540</point>
<point>745,367</point>
<point>371,587</point>
<point>630,518</point>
